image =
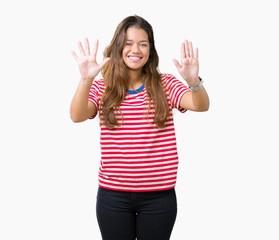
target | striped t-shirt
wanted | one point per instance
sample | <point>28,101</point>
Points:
<point>138,156</point>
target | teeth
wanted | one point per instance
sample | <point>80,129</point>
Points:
<point>134,58</point>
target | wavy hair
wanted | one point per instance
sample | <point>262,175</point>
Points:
<point>116,77</point>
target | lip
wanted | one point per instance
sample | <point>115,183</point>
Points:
<point>134,58</point>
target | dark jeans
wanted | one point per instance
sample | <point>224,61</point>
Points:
<point>136,215</point>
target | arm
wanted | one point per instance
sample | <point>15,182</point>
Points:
<point>197,101</point>
<point>81,109</point>
<point>189,69</point>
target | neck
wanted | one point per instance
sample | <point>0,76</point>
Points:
<point>134,80</point>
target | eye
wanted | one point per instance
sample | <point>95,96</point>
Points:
<point>143,45</point>
<point>128,44</point>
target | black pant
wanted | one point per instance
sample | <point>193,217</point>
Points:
<point>130,215</point>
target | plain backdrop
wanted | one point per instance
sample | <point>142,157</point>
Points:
<point>227,185</point>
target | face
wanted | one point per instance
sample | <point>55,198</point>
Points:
<point>136,51</point>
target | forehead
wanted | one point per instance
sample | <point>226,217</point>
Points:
<point>136,34</point>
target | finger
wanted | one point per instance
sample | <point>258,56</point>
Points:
<point>81,48</point>
<point>187,49</point>
<point>176,63</point>
<point>95,49</point>
<point>191,51</point>
<point>197,53</point>
<point>87,49</point>
<point>182,51</point>
<point>103,63</point>
<point>75,55</point>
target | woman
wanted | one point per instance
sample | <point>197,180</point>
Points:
<point>137,175</point>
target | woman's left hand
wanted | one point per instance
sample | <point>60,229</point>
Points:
<point>189,67</point>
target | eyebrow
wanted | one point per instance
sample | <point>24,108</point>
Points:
<point>140,41</point>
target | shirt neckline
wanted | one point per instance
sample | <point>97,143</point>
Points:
<point>135,91</point>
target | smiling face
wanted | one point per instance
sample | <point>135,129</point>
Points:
<point>137,49</point>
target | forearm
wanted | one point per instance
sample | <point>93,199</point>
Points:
<point>79,105</point>
<point>200,100</point>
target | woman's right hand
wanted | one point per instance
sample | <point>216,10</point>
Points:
<point>88,66</point>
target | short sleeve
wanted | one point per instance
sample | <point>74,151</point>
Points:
<point>175,89</point>
<point>94,95</point>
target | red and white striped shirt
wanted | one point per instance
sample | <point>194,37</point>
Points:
<point>138,156</point>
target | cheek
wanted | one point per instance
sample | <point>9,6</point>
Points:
<point>147,54</point>
<point>124,52</point>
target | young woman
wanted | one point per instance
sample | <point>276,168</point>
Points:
<point>138,167</point>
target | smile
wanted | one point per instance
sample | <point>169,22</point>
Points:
<point>134,58</point>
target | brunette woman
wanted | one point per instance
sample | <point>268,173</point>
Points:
<point>138,165</point>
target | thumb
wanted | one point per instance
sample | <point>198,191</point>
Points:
<point>103,63</point>
<point>176,63</point>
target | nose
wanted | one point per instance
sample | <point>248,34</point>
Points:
<point>135,48</point>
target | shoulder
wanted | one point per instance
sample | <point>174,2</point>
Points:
<point>168,80</point>
<point>97,87</point>
<point>99,84</point>
<point>166,76</point>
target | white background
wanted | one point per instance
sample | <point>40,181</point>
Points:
<point>228,177</point>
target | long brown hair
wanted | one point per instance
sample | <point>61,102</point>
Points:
<point>116,77</point>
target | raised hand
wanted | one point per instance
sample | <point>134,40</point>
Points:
<point>88,66</point>
<point>189,67</point>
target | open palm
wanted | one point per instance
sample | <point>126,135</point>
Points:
<point>88,66</point>
<point>189,67</point>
